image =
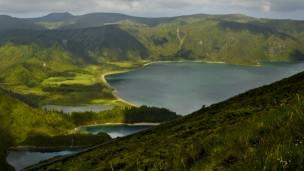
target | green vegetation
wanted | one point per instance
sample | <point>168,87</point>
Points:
<point>215,39</point>
<point>52,65</point>
<point>66,65</point>
<point>257,130</point>
<point>53,76</point>
<point>18,120</point>
<point>8,22</point>
<point>125,115</point>
<point>233,39</point>
<point>27,127</point>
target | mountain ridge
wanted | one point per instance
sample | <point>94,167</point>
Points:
<point>101,18</point>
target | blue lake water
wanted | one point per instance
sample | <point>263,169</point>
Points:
<point>116,130</point>
<point>22,159</point>
<point>186,87</point>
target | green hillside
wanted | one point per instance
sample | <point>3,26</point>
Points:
<point>63,59</point>
<point>31,128</point>
<point>87,44</point>
<point>8,22</point>
<point>52,75</point>
<point>258,130</point>
<point>66,66</point>
<point>98,37</point>
<point>219,39</point>
<point>18,120</point>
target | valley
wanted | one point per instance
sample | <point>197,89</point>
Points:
<point>84,86</point>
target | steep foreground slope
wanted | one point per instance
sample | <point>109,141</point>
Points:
<point>259,130</point>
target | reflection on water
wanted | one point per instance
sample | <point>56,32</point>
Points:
<point>117,130</point>
<point>185,87</point>
<point>22,159</point>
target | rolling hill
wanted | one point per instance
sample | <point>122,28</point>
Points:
<point>218,39</point>
<point>236,39</point>
<point>258,130</point>
<point>8,23</point>
<point>88,44</point>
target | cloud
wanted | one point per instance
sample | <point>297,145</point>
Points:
<point>153,7</point>
<point>266,6</point>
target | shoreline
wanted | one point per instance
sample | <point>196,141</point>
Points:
<point>129,124</point>
<point>184,61</point>
<point>114,92</point>
<point>146,64</point>
<point>45,149</point>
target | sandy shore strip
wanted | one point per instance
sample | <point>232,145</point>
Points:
<point>129,124</point>
<point>104,80</point>
<point>184,61</point>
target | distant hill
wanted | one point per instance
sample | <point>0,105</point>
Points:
<point>258,130</point>
<point>101,19</point>
<point>54,17</point>
<point>231,39</point>
<point>89,43</point>
<point>96,37</point>
<point>68,21</point>
<point>7,23</point>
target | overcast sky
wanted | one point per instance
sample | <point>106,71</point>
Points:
<point>293,9</point>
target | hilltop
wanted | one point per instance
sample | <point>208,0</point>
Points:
<point>96,37</point>
<point>257,130</point>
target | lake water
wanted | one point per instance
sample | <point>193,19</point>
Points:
<point>71,109</point>
<point>116,130</point>
<point>185,87</point>
<point>22,159</point>
<point>181,87</point>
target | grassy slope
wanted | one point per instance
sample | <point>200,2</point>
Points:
<point>233,40</point>
<point>88,44</point>
<point>258,130</point>
<point>18,120</point>
<point>230,38</point>
<point>53,76</point>
<point>22,125</point>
